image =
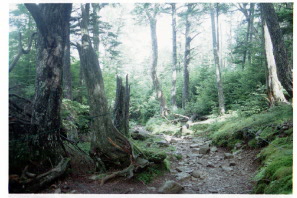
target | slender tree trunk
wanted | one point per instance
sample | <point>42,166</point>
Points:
<point>51,20</point>
<point>251,27</point>
<point>67,78</point>
<point>174,58</point>
<point>284,68</point>
<point>185,97</point>
<point>217,65</point>
<point>275,93</point>
<point>108,145</point>
<point>155,79</point>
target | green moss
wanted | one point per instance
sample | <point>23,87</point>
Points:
<point>153,171</point>
<point>85,146</point>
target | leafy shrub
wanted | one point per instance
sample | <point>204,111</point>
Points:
<point>79,113</point>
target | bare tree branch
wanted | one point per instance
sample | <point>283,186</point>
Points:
<point>21,50</point>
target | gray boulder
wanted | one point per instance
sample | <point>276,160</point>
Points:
<point>204,149</point>
<point>170,187</point>
<point>139,135</point>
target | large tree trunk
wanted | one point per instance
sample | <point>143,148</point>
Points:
<point>155,79</point>
<point>174,58</point>
<point>217,65</point>
<point>275,93</point>
<point>121,107</point>
<point>284,68</point>
<point>51,20</point>
<point>107,143</point>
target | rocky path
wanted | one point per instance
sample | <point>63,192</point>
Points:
<point>206,169</point>
<point>202,169</point>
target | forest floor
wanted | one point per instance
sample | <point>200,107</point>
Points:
<point>214,172</point>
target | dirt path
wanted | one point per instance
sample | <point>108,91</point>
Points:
<point>214,171</point>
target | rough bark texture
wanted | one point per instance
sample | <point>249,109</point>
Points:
<point>121,107</point>
<point>21,50</point>
<point>51,20</point>
<point>185,97</point>
<point>108,145</point>
<point>284,68</point>
<point>156,82</point>
<point>217,65</point>
<point>275,93</point>
<point>174,57</point>
<point>95,21</point>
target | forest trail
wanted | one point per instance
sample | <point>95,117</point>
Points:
<point>203,169</point>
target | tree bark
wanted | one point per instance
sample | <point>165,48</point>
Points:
<point>174,57</point>
<point>108,145</point>
<point>284,68</point>
<point>185,97</point>
<point>95,21</point>
<point>275,93</point>
<point>121,107</point>
<point>217,65</point>
<point>51,20</point>
<point>155,79</point>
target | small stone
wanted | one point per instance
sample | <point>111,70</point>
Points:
<point>210,165</point>
<point>197,174</point>
<point>183,176</point>
<point>213,191</point>
<point>227,168</point>
<point>213,149</point>
<point>173,140</point>
<point>152,188</point>
<point>58,191</point>
<point>170,187</point>
<point>195,150</point>
<point>237,145</point>
<point>232,163</point>
<point>228,156</point>
<point>73,191</point>
<point>163,143</point>
<point>195,145</point>
<point>204,149</point>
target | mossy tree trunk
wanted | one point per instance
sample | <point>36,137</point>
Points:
<point>108,145</point>
<point>121,107</point>
<point>51,20</point>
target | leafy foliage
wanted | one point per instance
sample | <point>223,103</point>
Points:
<point>79,113</point>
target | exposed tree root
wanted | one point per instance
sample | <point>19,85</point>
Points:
<point>32,185</point>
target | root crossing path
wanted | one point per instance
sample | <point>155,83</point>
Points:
<point>201,168</point>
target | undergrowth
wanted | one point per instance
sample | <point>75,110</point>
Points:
<point>153,171</point>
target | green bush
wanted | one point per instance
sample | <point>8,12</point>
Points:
<point>79,113</point>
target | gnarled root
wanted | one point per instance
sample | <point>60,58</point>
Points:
<point>32,185</point>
